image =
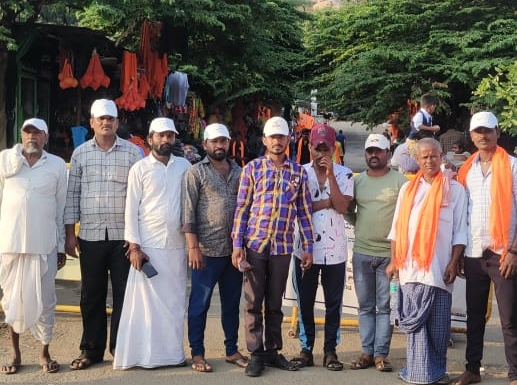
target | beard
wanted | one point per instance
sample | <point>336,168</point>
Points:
<point>217,154</point>
<point>31,149</point>
<point>163,150</point>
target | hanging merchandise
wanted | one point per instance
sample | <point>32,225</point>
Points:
<point>66,76</point>
<point>144,89</point>
<point>155,67</point>
<point>94,76</point>
<point>130,99</point>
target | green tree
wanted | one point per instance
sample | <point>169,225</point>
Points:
<point>498,92</point>
<point>368,59</point>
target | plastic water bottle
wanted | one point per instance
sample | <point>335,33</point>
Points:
<point>394,301</point>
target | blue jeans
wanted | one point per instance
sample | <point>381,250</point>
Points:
<point>221,271</point>
<point>372,288</point>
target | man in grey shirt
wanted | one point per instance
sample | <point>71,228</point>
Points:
<point>210,194</point>
<point>96,198</point>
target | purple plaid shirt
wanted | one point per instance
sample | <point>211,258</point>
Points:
<point>269,201</point>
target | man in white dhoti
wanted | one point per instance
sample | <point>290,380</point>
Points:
<point>151,325</point>
<point>32,201</point>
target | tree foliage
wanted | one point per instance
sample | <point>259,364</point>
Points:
<point>368,59</point>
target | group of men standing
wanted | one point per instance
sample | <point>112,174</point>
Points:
<point>244,227</point>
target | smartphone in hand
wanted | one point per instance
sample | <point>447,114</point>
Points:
<point>148,269</point>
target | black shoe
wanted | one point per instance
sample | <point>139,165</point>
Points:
<point>276,360</point>
<point>255,366</point>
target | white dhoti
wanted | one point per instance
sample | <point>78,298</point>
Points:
<point>152,321</point>
<point>29,293</point>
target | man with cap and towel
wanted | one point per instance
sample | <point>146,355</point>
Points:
<point>32,246</point>
<point>151,328</point>
<point>490,178</point>
<point>428,234</point>
<point>96,198</point>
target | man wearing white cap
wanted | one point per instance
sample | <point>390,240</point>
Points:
<point>376,191</point>
<point>32,246</point>
<point>209,199</point>
<point>151,328</point>
<point>273,194</point>
<point>490,179</point>
<point>96,198</point>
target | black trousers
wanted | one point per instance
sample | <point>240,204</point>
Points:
<point>333,283</point>
<point>98,260</point>
<point>264,286</point>
<point>479,273</point>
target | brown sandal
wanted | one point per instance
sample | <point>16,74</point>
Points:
<point>383,365</point>
<point>363,362</point>
<point>331,362</point>
<point>304,359</point>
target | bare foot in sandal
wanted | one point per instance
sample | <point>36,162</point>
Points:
<point>237,359</point>
<point>10,367</point>
<point>199,364</point>
<point>331,362</point>
<point>363,362</point>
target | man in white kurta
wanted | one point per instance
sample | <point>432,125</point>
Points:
<point>32,245</point>
<point>151,325</point>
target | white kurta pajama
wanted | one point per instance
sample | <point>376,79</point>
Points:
<point>151,325</point>
<point>32,201</point>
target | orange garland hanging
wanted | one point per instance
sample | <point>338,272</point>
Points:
<point>66,76</point>
<point>94,76</point>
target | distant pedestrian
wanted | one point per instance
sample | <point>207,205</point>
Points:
<point>422,122</point>
<point>273,194</point>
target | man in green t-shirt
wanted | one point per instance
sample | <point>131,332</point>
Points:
<point>375,191</point>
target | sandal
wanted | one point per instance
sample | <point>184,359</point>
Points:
<point>363,362</point>
<point>83,362</point>
<point>51,366</point>
<point>304,359</point>
<point>10,368</point>
<point>331,362</point>
<point>238,359</point>
<point>199,364</point>
<point>383,365</point>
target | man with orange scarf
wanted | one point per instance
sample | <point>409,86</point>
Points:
<point>490,178</point>
<point>428,234</point>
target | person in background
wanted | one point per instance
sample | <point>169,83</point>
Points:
<point>332,187</point>
<point>273,194</point>
<point>403,159</point>
<point>151,324</point>
<point>422,122</point>
<point>376,191</point>
<point>96,197</point>
<point>428,234</point>
<point>490,178</point>
<point>32,246</point>
<point>449,138</point>
<point>303,154</point>
<point>209,197</point>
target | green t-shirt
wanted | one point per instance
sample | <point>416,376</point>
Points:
<point>376,198</point>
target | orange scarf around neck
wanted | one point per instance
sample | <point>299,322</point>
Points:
<point>500,196</point>
<point>427,225</point>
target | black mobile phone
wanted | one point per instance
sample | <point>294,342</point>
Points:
<point>148,269</point>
